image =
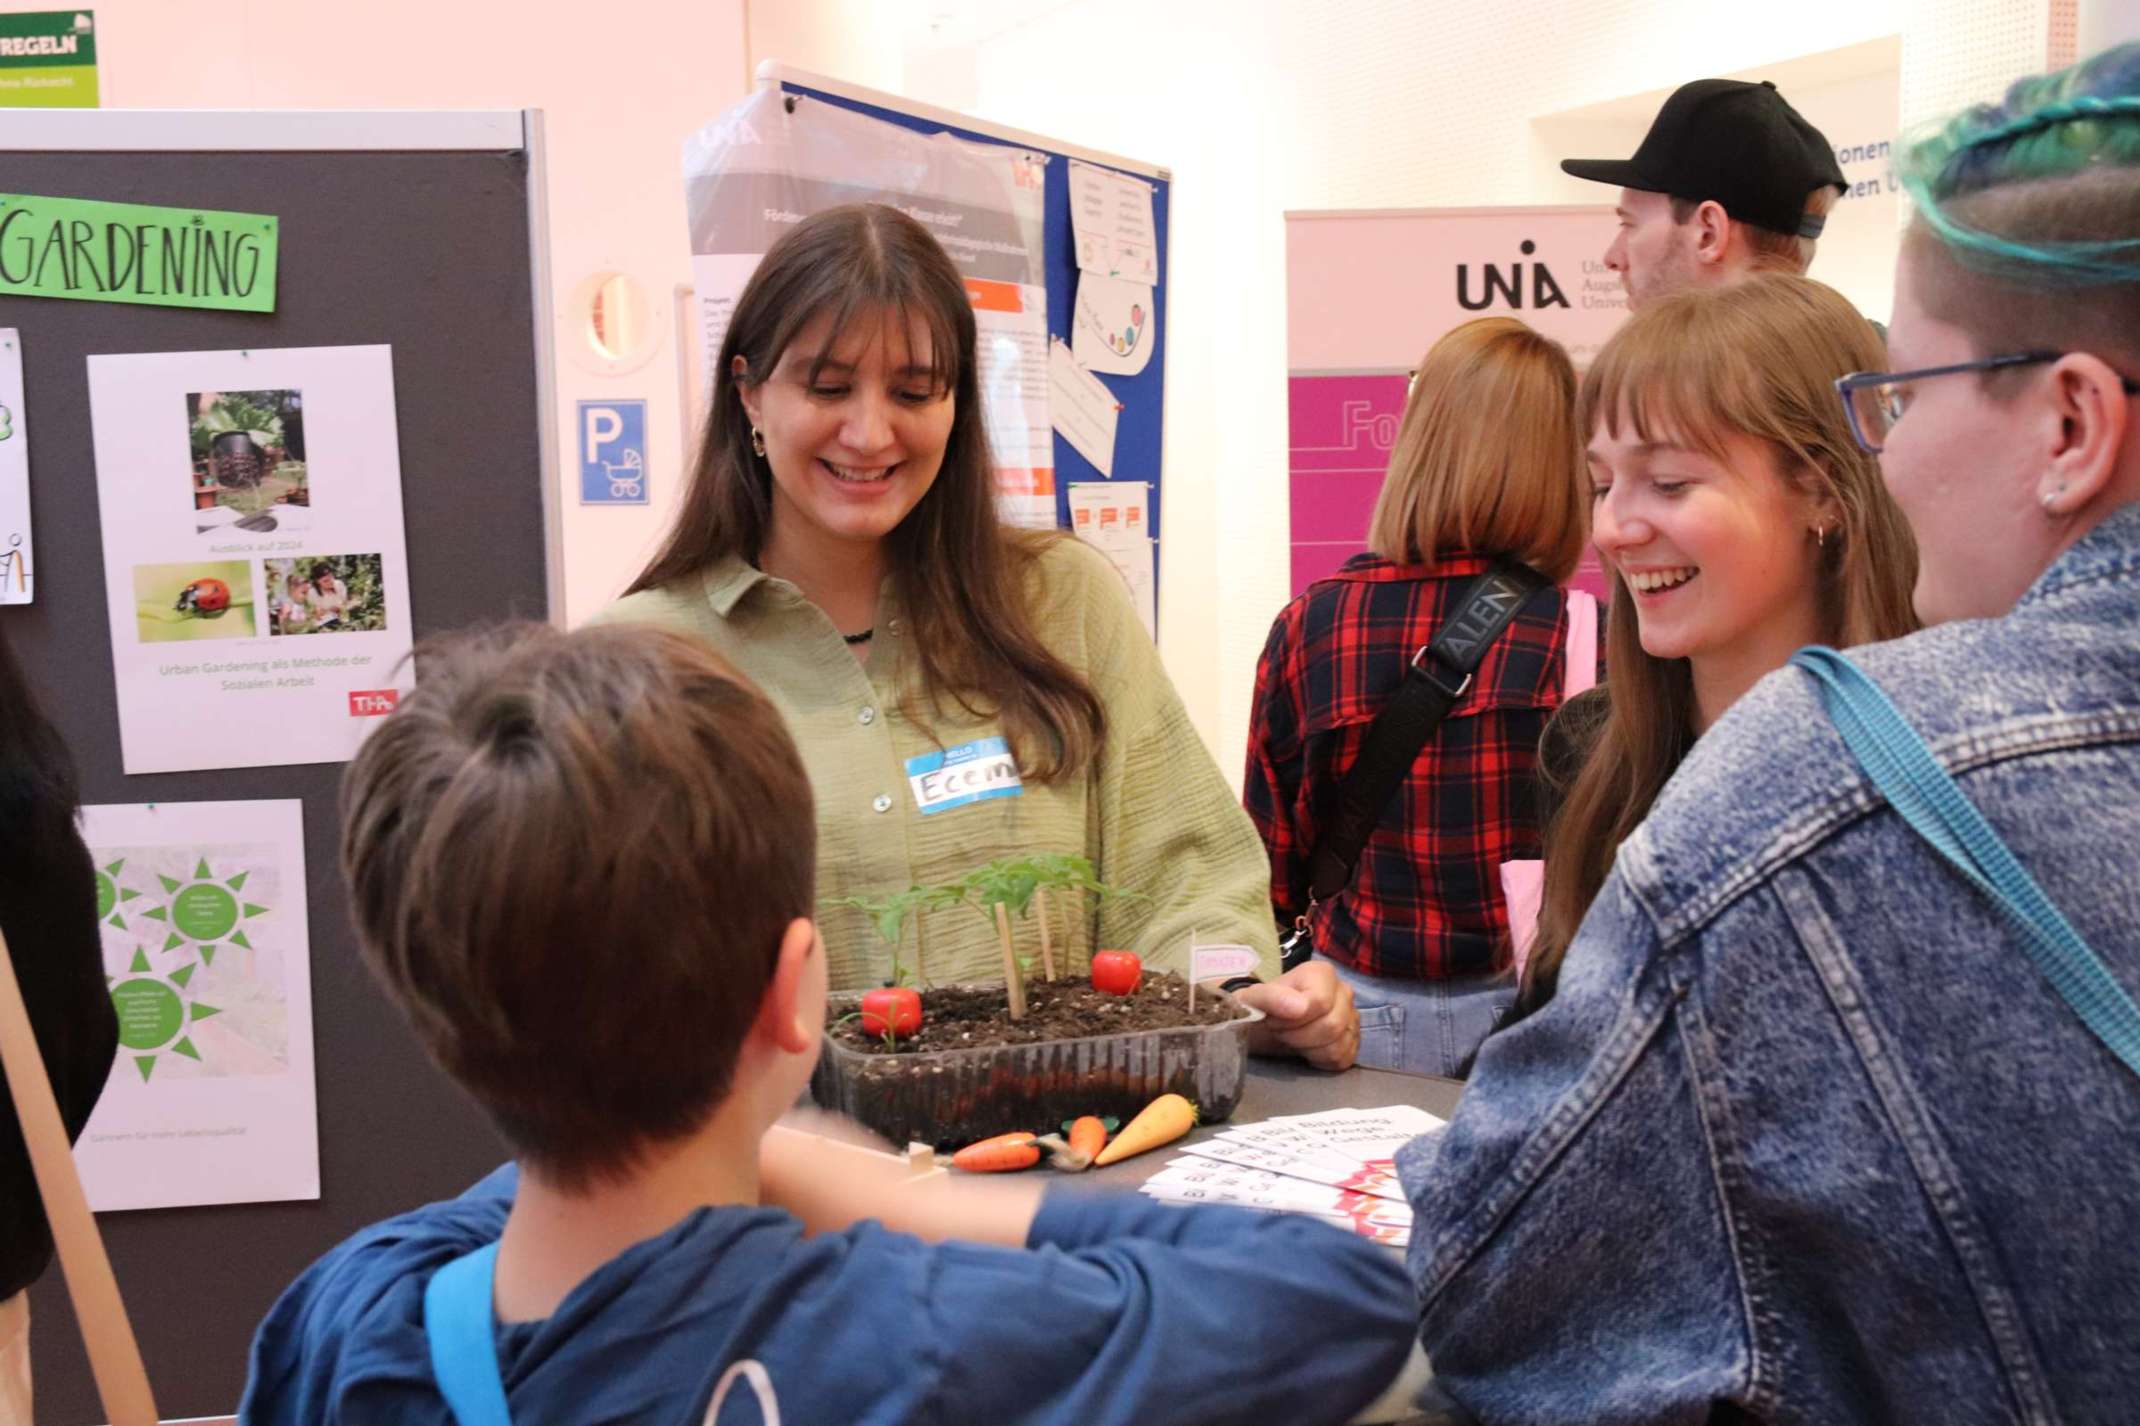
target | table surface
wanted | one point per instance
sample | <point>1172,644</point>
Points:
<point>1276,1087</point>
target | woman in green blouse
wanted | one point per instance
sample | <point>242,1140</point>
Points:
<point>960,690</point>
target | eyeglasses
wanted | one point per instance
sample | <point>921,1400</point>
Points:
<point>1876,400</point>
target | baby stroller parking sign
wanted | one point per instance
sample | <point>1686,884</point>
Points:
<point>612,452</point>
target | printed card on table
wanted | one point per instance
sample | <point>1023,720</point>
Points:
<point>1334,1165</point>
<point>1264,1146</point>
<point>1190,1180</point>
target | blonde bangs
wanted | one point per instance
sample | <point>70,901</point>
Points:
<point>1675,383</point>
<point>1757,359</point>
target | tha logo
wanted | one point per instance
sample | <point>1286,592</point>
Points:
<point>1508,286</point>
<point>373,703</point>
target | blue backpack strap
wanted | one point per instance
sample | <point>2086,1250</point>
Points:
<point>1919,789</point>
<point>464,1354</point>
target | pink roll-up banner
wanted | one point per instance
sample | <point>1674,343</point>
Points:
<point>1368,292</point>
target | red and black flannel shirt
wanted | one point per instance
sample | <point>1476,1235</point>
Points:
<point>1425,899</point>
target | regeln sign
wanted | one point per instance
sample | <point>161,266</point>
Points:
<point>48,60</point>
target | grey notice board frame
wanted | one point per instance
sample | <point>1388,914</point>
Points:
<point>423,231</point>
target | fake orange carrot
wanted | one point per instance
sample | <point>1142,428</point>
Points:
<point>1005,1153</point>
<point>1082,1142</point>
<point>1088,1136</point>
<point>1162,1121</point>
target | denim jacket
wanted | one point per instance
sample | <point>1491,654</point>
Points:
<point>1805,1136</point>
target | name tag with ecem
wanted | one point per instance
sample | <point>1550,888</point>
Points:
<point>967,773</point>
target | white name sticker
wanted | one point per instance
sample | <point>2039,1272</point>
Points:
<point>970,772</point>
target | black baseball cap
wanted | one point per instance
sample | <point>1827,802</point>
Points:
<point>1737,143</point>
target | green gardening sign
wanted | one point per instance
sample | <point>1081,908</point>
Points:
<point>129,252</point>
<point>48,60</point>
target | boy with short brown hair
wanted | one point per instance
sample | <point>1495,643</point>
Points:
<point>583,865</point>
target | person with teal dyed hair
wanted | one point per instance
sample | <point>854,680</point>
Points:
<point>2025,256</point>
<point>1836,1114</point>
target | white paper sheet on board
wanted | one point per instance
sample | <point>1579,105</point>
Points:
<point>718,280</point>
<point>1082,408</point>
<point>1011,323</point>
<point>1114,324</point>
<point>254,562</point>
<point>1111,513</point>
<point>764,164</point>
<point>202,915</point>
<point>17,566</point>
<point>1114,517</point>
<point>1111,214</point>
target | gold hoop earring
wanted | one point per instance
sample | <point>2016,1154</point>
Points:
<point>757,441</point>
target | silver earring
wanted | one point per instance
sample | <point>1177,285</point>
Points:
<point>757,441</point>
<point>1820,536</point>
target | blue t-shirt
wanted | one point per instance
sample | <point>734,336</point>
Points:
<point>1119,1310</point>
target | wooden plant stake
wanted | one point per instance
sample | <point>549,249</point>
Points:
<point>114,1358</point>
<point>1047,948</point>
<point>1012,981</point>
<point>1191,977</point>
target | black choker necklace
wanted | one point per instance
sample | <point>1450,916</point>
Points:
<point>862,638</point>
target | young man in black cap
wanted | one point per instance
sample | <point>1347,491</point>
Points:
<point>1729,181</point>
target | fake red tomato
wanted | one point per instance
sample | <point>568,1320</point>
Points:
<point>1116,972</point>
<point>894,1008</point>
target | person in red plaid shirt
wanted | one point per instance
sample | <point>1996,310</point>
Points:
<point>1486,466</point>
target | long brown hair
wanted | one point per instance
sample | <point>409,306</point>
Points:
<point>1758,359</point>
<point>1486,460</point>
<point>967,581</point>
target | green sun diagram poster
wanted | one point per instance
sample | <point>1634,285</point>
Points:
<point>201,906</point>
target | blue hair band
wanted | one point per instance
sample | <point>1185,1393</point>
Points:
<point>2064,111</point>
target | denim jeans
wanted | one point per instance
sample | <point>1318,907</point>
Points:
<point>1425,1026</point>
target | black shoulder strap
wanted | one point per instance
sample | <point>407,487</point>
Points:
<point>1440,673</point>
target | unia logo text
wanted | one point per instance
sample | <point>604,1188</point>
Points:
<point>373,703</point>
<point>1508,286</point>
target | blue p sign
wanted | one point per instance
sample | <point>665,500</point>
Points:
<point>612,452</point>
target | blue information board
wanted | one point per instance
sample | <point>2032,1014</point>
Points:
<point>1139,430</point>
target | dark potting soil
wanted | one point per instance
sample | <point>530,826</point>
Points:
<point>975,1017</point>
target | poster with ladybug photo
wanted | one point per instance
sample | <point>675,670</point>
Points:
<point>249,496</point>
